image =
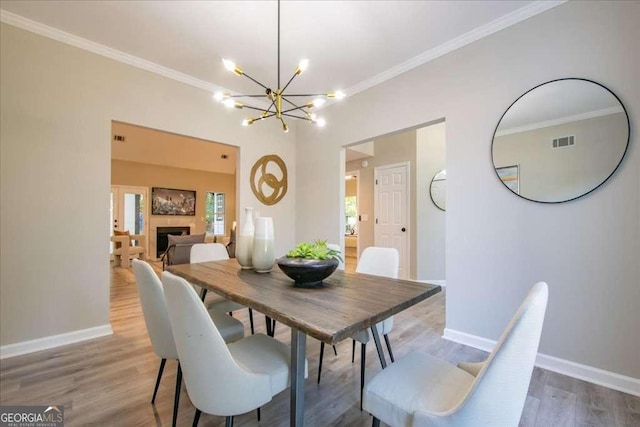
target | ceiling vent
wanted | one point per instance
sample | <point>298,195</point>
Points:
<point>564,141</point>
<point>224,156</point>
<point>120,138</point>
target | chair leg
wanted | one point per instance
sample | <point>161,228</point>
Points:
<point>320,364</point>
<point>196,418</point>
<point>273,327</point>
<point>251,320</point>
<point>258,410</point>
<point>228,422</point>
<point>267,321</point>
<point>334,350</point>
<point>386,340</point>
<point>353,351</point>
<point>363,356</point>
<point>203,293</point>
<point>155,390</point>
<point>176,399</point>
<point>376,422</point>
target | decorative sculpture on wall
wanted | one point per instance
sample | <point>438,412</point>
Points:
<point>262,176</point>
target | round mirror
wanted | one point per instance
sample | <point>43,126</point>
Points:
<point>437,190</point>
<point>560,140</point>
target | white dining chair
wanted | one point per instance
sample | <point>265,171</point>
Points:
<point>420,390</point>
<point>375,261</point>
<point>223,380</point>
<point>156,318</point>
<point>205,252</point>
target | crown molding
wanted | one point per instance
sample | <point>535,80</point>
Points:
<point>476,34</point>
<point>561,121</point>
<point>99,49</point>
<point>513,18</point>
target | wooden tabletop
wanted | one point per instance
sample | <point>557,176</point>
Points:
<point>346,304</point>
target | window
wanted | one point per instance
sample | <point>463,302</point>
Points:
<point>351,213</point>
<point>214,213</point>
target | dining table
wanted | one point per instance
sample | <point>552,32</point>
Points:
<point>344,304</point>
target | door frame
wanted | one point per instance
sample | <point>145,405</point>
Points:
<point>355,173</point>
<point>138,190</point>
<point>376,230</point>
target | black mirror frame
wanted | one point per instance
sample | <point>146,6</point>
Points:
<point>626,148</point>
<point>431,193</point>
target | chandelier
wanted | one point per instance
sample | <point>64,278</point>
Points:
<point>281,105</point>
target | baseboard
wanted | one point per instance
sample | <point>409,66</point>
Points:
<point>562,366</point>
<point>45,343</point>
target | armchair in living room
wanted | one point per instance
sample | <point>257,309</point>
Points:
<point>124,250</point>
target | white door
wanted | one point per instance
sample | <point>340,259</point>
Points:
<point>392,211</point>
<point>129,207</point>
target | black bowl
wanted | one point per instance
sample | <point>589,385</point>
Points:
<point>307,273</point>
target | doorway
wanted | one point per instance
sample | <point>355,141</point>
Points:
<point>129,211</point>
<point>392,207</point>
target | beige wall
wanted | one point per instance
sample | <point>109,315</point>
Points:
<point>57,106</point>
<point>388,150</point>
<point>146,175</point>
<point>351,187</point>
<point>499,245</point>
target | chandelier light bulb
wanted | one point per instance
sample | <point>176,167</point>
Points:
<point>313,117</point>
<point>303,65</point>
<point>228,64</point>
<point>285,127</point>
<point>320,122</point>
<point>218,96</point>
<point>318,102</point>
<point>337,94</point>
<point>247,122</point>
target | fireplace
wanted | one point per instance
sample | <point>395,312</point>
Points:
<point>162,241</point>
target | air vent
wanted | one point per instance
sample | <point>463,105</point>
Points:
<point>120,138</point>
<point>224,156</point>
<point>564,141</point>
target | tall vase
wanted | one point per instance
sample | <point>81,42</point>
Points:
<point>263,255</point>
<point>244,243</point>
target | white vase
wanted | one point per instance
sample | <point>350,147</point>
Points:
<point>244,243</point>
<point>263,255</point>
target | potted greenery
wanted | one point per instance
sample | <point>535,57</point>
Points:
<point>308,264</point>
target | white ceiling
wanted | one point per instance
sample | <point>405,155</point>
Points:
<point>351,45</point>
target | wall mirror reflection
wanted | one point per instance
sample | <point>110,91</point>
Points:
<point>437,190</point>
<point>567,137</point>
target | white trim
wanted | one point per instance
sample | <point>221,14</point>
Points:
<point>356,174</point>
<point>562,366</point>
<point>562,120</point>
<point>52,341</point>
<point>97,48</point>
<point>476,34</point>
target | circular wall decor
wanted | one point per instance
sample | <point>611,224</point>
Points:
<point>560,140</point>
<point>437,190</point>
<point>269,179</point>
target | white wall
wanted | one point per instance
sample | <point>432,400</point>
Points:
<point>57,104</point>
<point>430,220</point>
<point>498,245</point>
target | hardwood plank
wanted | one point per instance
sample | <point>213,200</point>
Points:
<point>109,381</point>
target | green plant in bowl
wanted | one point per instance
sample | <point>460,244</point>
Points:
<point>316,250</point>
<point>308,264</point>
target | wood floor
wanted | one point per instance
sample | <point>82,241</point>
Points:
<point>109,381</point>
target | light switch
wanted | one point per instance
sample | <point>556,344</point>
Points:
<point>364,217</point>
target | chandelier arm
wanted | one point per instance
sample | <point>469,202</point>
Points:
<point>308,94</point>
<point>289,82</point>
<point>256,108</point>
<point>295,105</point>
<point>254,80</point>
<point>246,96</point>
<point>297,117</point>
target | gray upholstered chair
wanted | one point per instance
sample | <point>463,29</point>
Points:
<point>420,390</point>
<point>179,249</point>
<point>222,379</point>
<point>156,318</point>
